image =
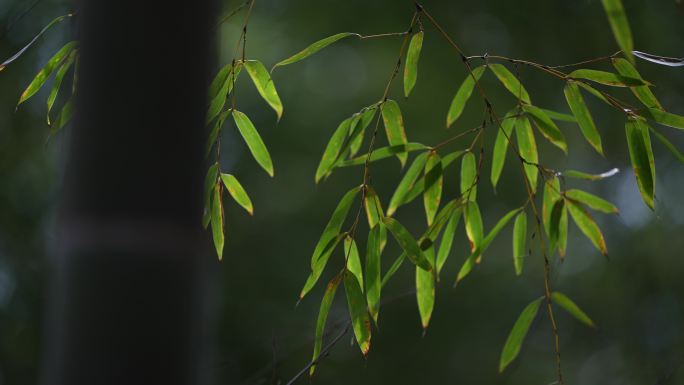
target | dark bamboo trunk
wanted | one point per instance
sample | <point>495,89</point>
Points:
<point>127,303</point>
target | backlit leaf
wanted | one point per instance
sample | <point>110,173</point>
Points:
<point>620,26</point>
<point>358,312</point>
<point>592,201</point>
<point>323,312</point>
<point>220,88</point>
<point>407,243</point>
<point>216,130</point>
<point>643,93</point>
<point>351,252</point>
<point>47,70</point>
<point>237,192</point>
<point>586,223</point>
<point>519,242</point>
<point>217,221</point>
<point>517,336</point>
<point>447,239</point>
<point>663,117</point>
<point>469,176</point>
<point>254,142</point>
<point>318,266</point>
<point>667,144</point>
<point>373,267</point>
<point>373,207</point>
<point>581,112</point>
<point>63,117</point>
<point>566,303</point>
<point>433,186</point>
<point>425,290</point>
<point>547,127</point>
<point>641,154</point>
<point>332,150</point>
<point>411,67</point>
<point>209,185</point>
<point>394,127</point>
<point>559,116</point>
<point>557,227</point>
<point>59,76</point>
<point>503,135</point>
<point>607,78</point>
<point>586,176</point>
<point>383,153</point>
<point>473,224</point>
<point>511,82</point>
<point>463,94</point>
<point>407,181</point>
<point>313,48</point>
<point>419,186</point>
<point>264,84</point>
<point>527,146</point>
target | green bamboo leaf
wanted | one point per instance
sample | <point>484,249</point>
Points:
<point>383,153</point>
<point>411,67</point>
<point>503,135</point>
<point>220,88</point>
<point>519,241</point>
<point>318,266</point>
<point>447,239</point>
<point>663,117</point>
<point>620,26</point>
<point>473,224</point>
<point>547,127</point>
<point>59,76</point>
<point>360,121</point>
<point>469,176</point>
<point>373,267</point>
<point>406,183</point>
<point>557,228</point>
<point>46,71</point>
<point>552,193</point>
<point>217,221</point>
<point>216,129</point>
<point>607,78</point>
<point>482,246</point>
<point>332,150</point>
<point>237,192</point>
<point>394,127</point>
<point>63,117</point>
<point>254,142</point>
<point>323,312</point>
<point>586,223</point>
<point>264,84</point>
<point>373,207</point>
<point>419,185</point>
<point>555,217</point>
<point>581,112</point>
<point>586,176</point>
<point>351,252</point>
<point>595,92</point>
<point>16,56</point>
<point>643,93</point>
<point>313,48</point>
<point>425,290</point>
<point>463,94</point>
<point>511,82</point>
<point>358,312</point>
<point>559,116</point>
<point>517,336</point>
<point>667,144</point>
<point>209,186</point>
<point>407,243</point>
<point>641,154</point>
<point>527,146</point>
<point>433,186</point>
<point>566,303</point>
<point>592,201</point>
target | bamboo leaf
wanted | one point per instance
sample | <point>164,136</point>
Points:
<point>607,78</point>
<point>411,67</point>
<point>254,142</point>
<point>433,186</point>
<point>643,93</point>
<point>620,26</point>
<point>557,228</point>
<point>209,186</point>
<point>559,116</point>
<point>517,335</point>
<point>264,84</point>
<point>503,135</point>
<point>318,266</point>
<point>566,303</point>
<point>358,312</point>
<point>667,144</point>
<point>469,176</point>
<point>641,154</point>
<point>447,239</point>
<point>586,223</point>
<point>592,201</point>
<point>373,267</point>
<point>63,117</point>
<point>216,129</point>
<point>373,207</point>
<point>323,312</point>
<point>351,252</point>
<point>547,127</point>
<point>586,176</point>
<point>595,92</point>
<point>463,94</point>
<point>59,76</point>
<point>663,117</point>
<point>519,242</point>
<point>511,82</point>
<point>394,127</point>
<point>406,183</point>
<point>581,112</point>
<point>473,224</point>
<point>313,48</point>
<point>332,150</point>
<point>407,243</point>
<point>425,290</point>
<point>217,221</point>
<point>46,71</point>
<point>220,88</point>
<point>383,153</point>
<point>360,121</point>
<point>237,192</point>
<point>419,186</point>
<point>527,146</point>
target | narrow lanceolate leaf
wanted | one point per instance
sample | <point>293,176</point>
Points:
<point>323,312</point>
<point>407,243</point>
<point>595,92</point>
<point>373,266</point>
<point>406,183</point>
<point>332,150</point>
<point>566,303</point>
<point>63,117</point>
<point>220,88</point>
<point>517,336</point>
<point>217,221</point>
<point>433,186</point>
<point>394,127</point>
<point>264,84</point>
<point>527,146</point>
<point>447,239</point>
<point>209,186</point>
<point>46,71</point>
<point>419,186</point>
<point>552,193</point>
<point>473,224</point>
<point>503,135</point>
<point>35,38</point>
<point>586,223</point>
<point>400,150</point>
<point>373,207</point>
<point>237,192</point>
<point>351,253</point>
<point>425,290</point>
<point>254,142</point>
<point>469,176</point>
<point>319,265</point>
<point>620,26</point>
<point>663,117</point>
<point>581,112</point>
<point>358,312</point>
<point>607,78</point>
<point>662,60</point>
<point>559,116</point>
<point>411,67</point>
<point>547,127</point>
<point>519,242</point>
<point>556,225</point>
<point>592,201</point>
<point>313,48</point>
<point>511,82</point>
<point>59,76</point>
<point>555,217</point>
<point>463,94</point>
<point>641,154</point>
<point>360,121</point>
<point>677,154</point>
<point>484,244</point>
<point>643,93</point>
<point>216,130</point>
<point>586,176</point>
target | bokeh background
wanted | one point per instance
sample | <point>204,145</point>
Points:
<point>636,297</point>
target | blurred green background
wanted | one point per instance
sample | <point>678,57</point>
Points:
<point>636,297</point>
